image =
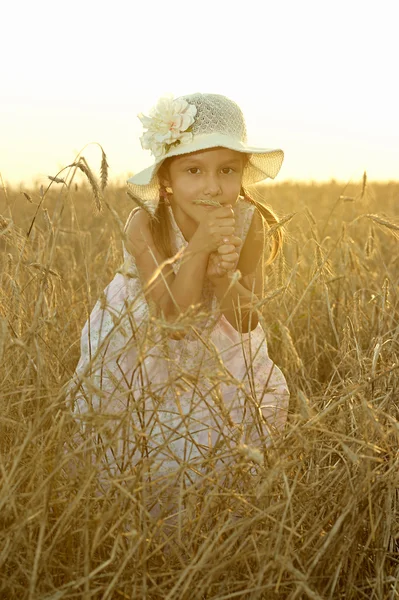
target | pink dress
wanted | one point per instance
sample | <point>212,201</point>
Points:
<point>149,397</point>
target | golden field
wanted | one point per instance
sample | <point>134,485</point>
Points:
<point>316,518</point>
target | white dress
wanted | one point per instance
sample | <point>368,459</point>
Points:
<point>148,397</point>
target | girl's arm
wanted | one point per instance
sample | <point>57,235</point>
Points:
<point>171,293</point>
<point>250,261</point>
<point>237,302</point>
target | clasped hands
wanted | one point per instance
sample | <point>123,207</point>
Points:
<point>225,259</point>
<point>216,235</point>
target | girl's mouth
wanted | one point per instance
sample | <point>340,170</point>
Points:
<point>207,203</point>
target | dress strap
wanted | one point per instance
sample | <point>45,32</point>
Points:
<point>244,213</point>
<point>179,239</point>
<point>132,213</point>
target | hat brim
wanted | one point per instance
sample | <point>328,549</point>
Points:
<point>268,164</point>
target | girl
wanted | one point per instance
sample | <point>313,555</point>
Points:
<point>174,369</point>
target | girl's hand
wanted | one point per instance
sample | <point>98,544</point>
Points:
<point>216,224</point>
<point>229,252</point>
<point>225,259</point>
<point>214,270</point>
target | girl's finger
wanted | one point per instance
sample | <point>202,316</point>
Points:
<point>232,257</point>
<point>229,265</point>
<point>226,249</point>
<point>232,240</point>
<point>225,231</point>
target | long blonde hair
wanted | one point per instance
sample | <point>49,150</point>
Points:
<point>161,226</point>
<point>269,219</point>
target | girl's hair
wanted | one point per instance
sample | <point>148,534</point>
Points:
<point>161,226</point>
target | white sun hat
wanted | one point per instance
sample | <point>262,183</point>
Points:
<point>198,122</point>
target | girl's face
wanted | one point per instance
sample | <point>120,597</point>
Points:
<point>207,174</point>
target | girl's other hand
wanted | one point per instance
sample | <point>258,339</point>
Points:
<point>229,252</point>
<point>225,259</point>
<point>214,270</point>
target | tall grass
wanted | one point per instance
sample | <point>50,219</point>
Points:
<point>315,516</point>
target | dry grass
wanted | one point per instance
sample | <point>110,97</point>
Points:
<point>315,517</point>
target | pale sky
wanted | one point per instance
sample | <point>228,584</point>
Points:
<point>317,79</point>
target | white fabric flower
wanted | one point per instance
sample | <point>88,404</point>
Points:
<point>167,125</point>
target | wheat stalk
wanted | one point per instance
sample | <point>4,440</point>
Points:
<point>84,167</point>
<point>382,221</point>
<point>314,514</point>
<point>138,201</point>
<point>11,234</point>
<point>364,185</point>
<point>56,179</point>
<point>104,170</point>
<point>209,202</point>
<point>281,223</point>
<point>28,197</point>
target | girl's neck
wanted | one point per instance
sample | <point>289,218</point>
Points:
<point>186,225</point>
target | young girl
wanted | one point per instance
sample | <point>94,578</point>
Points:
<point>174,368</point>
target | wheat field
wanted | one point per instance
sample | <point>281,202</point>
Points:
<point>315,516</point>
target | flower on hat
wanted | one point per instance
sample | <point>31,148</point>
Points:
<point>168,125</point>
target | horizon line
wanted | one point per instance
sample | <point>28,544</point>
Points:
<point>120,181</point>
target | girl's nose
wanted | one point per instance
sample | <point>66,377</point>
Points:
<point>212,186</point>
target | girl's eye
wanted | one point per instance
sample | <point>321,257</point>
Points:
<point>229,169</point>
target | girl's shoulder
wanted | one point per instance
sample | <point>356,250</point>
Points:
<point>246,215</point>
<point>137,230</point>
<point>137,215</point>
<point>140,245</point>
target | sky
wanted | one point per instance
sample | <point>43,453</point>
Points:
<point>317,79</point>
